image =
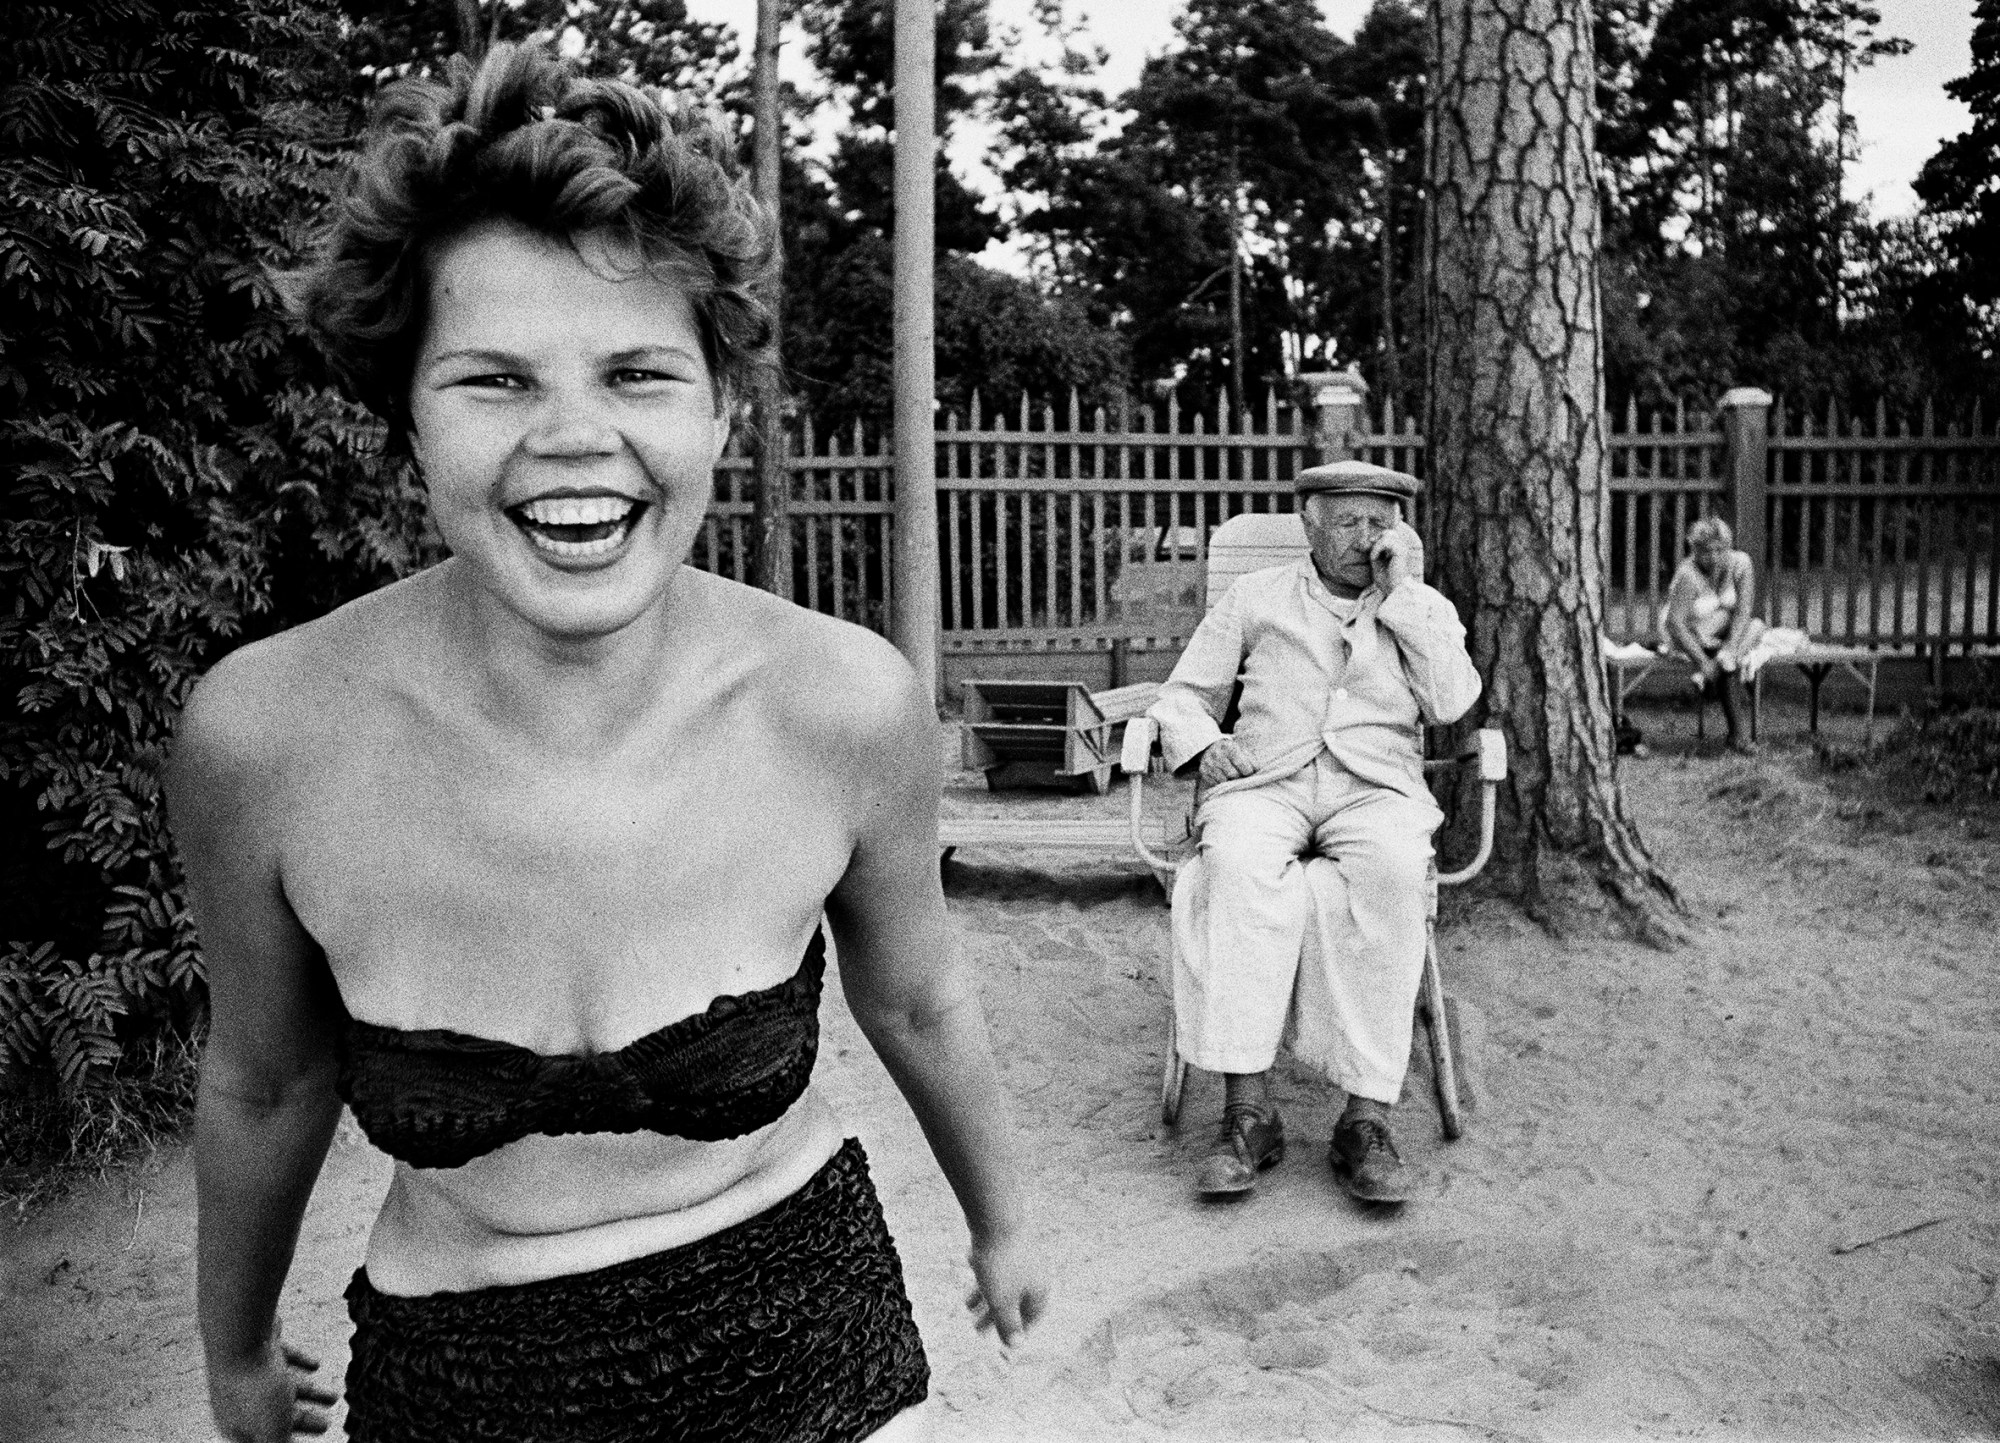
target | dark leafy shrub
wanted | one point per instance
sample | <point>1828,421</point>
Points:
<point>178,475</point>
<point>1947,750</point>
<point>1956,755</point>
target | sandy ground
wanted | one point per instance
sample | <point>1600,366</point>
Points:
<point>1639,1237</point>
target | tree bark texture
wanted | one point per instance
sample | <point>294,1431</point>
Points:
<point>1515,435</point>
<point>770,490</point>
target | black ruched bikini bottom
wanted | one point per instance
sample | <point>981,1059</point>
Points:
<point>791,1325</point>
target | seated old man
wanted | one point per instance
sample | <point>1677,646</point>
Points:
<point>1343,656</point>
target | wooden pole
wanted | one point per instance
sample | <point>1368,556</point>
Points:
<point>1746,432</point>
<point>770,495</point>
<point>913,624</point>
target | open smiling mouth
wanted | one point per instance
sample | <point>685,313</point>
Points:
<point>577,528</point>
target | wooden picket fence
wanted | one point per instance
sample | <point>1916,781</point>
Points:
<point>1063,530</point>
<point>1884,534</point>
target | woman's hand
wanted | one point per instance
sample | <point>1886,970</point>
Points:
<point>271,1398</point>
<point>1013,1287</point>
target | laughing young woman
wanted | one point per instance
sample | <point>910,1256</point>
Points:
<point>524,858</point>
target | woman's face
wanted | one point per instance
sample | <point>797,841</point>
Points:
<point>1711,554</point>
<point>567,427</point>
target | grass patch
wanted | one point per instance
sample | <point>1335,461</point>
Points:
<point>1955,757</point>
<point>1945,753</point>
<point>51,1142</point>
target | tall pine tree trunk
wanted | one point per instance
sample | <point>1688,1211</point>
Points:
<point>1516,434</point>
<point>770,488</point>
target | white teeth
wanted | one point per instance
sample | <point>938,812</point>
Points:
<point>576,550</point>
<point>577,510</point>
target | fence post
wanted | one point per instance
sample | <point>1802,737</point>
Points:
<point>771,494</point>
<point>1746,434</point>
<point>1339,401</point>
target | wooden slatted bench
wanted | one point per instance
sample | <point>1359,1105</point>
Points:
<point>1099,835</point>
<point>1817,662</point>
<point>1627,665</point>
<point>1821,659</point>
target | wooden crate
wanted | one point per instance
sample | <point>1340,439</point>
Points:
<point>1036,733</point>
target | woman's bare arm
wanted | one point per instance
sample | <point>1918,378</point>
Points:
<point>1745,616</point>
<point>265,1109</point>
<point>920,1008</point>
<point>1680,614</point>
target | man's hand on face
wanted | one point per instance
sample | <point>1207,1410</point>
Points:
<point>1225,761</point>
<point>1397,557</point>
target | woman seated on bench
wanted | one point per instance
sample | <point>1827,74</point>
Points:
<point>1709,619</point>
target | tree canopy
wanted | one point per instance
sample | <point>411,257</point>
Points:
<point>1261,143</point>
<point>179,474</point>
<point>1733,251</point>
<point>1275,172</point>
<point>1960,187</point>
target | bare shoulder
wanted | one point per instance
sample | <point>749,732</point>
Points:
<point>841,684</point>
<point>267,701</point>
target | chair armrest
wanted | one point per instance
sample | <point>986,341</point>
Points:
<point>1139,736</point>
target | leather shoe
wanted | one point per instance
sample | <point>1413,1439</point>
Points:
<point>1252,1138</point>
<point>1365,1159</point>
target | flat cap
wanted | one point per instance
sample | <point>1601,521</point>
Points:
<point>1347,478</point>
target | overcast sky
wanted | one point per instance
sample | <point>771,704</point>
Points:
<point>1900,106</point>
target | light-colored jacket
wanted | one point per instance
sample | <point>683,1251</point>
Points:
<point>1361,688</point>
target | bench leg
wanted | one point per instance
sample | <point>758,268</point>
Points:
<point>1814,676</point>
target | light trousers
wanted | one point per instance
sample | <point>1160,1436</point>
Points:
<point>1302,916</point>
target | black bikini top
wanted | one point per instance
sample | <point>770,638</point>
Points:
<point>438,1098</point>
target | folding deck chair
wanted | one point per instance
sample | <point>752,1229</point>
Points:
<point>1249,543</point>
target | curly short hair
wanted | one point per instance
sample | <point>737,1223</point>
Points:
<point>1711,528</point>
<point>522,137</point>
